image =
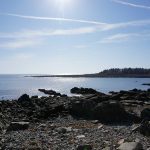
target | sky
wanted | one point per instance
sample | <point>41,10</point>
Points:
<point>73,36</point>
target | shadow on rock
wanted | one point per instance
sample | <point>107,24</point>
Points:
<point>110,112</point>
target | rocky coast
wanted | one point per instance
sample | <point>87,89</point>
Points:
<point>91,121</point>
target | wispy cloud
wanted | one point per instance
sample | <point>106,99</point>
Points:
<point>122,37</point>
<point>131,4</point>
<point>28,38</point>
<point>98,25</point>
<point>19,43</point>
<point>49,32</point>
<point>53,19</point>
<point>116,38</point>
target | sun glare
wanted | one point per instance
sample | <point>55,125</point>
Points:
<point>62,4</point>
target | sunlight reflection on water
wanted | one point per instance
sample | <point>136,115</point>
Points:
<point>13,86</point>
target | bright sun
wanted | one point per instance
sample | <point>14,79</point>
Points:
<point>63,3</point>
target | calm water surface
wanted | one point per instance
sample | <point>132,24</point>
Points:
<point>13,86</point>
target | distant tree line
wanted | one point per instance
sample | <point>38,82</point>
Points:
<point>125,71</point>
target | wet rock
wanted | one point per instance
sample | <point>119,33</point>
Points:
<point>84,147</point>
<point>50,92</point>
<point>15,126</point>
<point>76,90</point>
<point>148,84</point>
<point>131,146</point>
<point>25,101</point>
<point>23,98</point>
<point>34,97</point>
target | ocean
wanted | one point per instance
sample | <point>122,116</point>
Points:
<point>13,86</point>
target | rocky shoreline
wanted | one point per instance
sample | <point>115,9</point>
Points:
<point>92,121</point>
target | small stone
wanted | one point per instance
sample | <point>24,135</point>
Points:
<point>100,126</point>
<point>64,129</point>
<point>137,140</point>
<point>95,121</point>
<point>135,128</point>
<point>42,126</point>
<point>80,136</point>
<point>61,130</point>
<point>69,129</point>
<point>121,141</point>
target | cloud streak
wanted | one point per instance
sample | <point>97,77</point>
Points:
<point>19,43</point>
<point>53,19</point>
<point>131,4</point>
<point>118,38</point>
<point>122,37</point>
<point>28,38</point>
<point>49,32</point>
<point>98,25</point>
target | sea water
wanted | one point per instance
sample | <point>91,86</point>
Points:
<point>13,86</point>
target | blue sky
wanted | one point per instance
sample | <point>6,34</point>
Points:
<point>73,36</point>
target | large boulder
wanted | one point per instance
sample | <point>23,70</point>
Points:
<point>25,100</point>
<point>145,128</point>
<point>145,114</point>
<point>82,108</point>
<point>109,112</point>
<point>24,97</point>
<point>77,90</point>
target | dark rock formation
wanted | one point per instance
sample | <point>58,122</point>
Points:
<point>111,111</point>
<point>51,93</point>
<point>145,114</point>
<point>77,90</point>
<point>84,147</point>
<point>15,126</point>
<point>82,108</point>
<point>145,128</point>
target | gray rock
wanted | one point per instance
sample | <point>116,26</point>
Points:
<point>106,148</point>
<point>84,147</point>
<point>64,130</point>
<point>14,126</point>
<point>131,146</point>
<point>61,130</point>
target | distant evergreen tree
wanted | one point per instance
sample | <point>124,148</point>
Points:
<point>125,71</point>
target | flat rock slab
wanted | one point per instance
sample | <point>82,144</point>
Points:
<point>131,146</point>
<point>15,126</point>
